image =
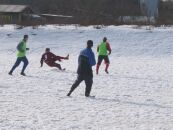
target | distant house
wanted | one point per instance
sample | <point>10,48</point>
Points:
<point>14,13</point>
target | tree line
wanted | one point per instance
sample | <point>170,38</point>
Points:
<point>84,11</point>
<point>95,11</point>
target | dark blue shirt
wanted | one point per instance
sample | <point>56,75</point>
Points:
<point>89,53</point>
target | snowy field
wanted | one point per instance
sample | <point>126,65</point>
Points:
<point>137,94</point>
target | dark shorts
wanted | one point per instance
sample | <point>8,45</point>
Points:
<point>105,58</point>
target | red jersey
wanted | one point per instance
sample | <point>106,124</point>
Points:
<point>50,58</point>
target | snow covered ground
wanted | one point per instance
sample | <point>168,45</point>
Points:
<point>136,95</point>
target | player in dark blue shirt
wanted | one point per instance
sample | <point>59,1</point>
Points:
<point>85,62</point>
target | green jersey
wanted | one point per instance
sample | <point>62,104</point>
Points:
<point>21,49</point>
<point>103,49</point>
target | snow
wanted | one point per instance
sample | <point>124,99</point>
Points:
<point>135,95</point>
<point>53,15</point>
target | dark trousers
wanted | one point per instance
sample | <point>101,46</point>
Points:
<point>18,61</point>
<point>54,64</point>
<point>88,82</point>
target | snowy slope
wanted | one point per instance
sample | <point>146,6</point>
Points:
<point>136,95</point>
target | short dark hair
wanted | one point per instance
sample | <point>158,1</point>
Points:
<point>25,36</point>
<point>47,49</point>
<point>104,39</point>
<point>89,43</point>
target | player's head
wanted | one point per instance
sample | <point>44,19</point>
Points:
<point>104,39</point>
<point>89,43</point>
<point>25,37</point>
<point>47,50</point>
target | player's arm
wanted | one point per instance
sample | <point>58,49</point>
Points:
<point>108,48</point>
<point>41,61</point>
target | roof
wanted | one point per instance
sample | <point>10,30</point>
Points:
<point>12,8</point>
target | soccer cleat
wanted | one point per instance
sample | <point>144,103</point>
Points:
<point>23,74</point>
<point>107,71</point>
<point>68,94</point>
<point>67,57</point>
<point>90,96</point>
<point>10,73</point>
